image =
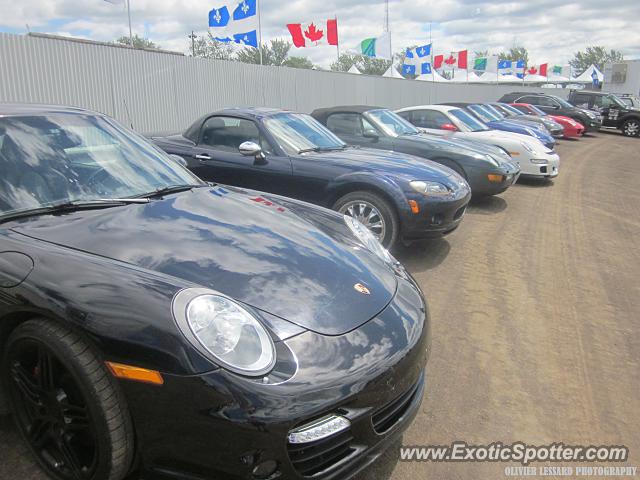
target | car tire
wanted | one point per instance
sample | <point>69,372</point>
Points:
<point>386,212</point>
<point>67,405</point>
<point>631,127</point>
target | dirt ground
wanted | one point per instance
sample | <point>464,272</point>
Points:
<point>535,302</point>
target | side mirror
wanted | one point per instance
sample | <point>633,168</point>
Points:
<point>178,159</point>
<point>370,134</point>
<point>252,149</point>
<point>449,126</point>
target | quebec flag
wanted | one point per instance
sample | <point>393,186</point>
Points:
<point>417,61</point>
<point>237,21</point>
<point>505,67</point>
<point>519,70</point>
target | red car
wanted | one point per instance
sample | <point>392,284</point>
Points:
<point>572,128</point>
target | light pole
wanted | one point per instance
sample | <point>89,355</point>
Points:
<point>193,37</point>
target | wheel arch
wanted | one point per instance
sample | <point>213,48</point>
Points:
<point>345,188</point>
<point>8,323</point>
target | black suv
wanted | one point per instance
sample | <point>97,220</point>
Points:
<point>554,105</point>
<point>615,112</point>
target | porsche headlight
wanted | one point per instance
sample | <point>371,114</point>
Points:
<point>221,328</point>
<point>363,234</point>
<point>429,188</point>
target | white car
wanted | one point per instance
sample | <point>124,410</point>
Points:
<point>452,122</point>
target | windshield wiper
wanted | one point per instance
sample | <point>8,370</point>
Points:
<point>71,206</point>
<point>307,150</point>
<point>158,192</point>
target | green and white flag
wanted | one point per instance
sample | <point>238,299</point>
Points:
<point>378,47</point>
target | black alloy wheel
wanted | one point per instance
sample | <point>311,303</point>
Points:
<point>66,404</point>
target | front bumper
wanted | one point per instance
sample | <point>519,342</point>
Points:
<point>438,216</point>
<point>549,169</point>
<point>482,186</point>
<point>592,125</point>
<point>222,426</point>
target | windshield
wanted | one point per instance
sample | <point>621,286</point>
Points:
<point>391,123</point>
<point>538,111</point>
<point>513,110</point>
<point>468,121</point>
<point>57,158</point>
<point>297,133</point>
<point>496,111</point>
<point>484,114</point>
<point>564,103</point>
<point>616,101</point>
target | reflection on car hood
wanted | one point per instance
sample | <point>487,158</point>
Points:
<point>290,259</point>
<point>385,162</point>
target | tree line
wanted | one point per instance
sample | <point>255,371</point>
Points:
<point>277,53</point>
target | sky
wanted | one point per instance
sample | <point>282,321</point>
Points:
<point>552,30</point>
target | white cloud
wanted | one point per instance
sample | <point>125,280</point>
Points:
<point>551,30</point>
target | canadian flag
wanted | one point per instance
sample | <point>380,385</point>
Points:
<point>455,60</point>
<point>538,69</point>
<point>314,34</point>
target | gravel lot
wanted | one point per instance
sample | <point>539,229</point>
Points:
<point>535,303</point>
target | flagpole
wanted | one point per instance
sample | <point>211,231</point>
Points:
<point>259,29</point>
<point>388,29</point>
<point>338,42</point>
<point>130,29</point>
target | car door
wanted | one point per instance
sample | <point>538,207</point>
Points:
<point>354,129</point>
<point>609,110</point>
<point>219,158</point>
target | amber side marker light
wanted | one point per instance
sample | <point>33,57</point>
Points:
<point>495,178</point>
<point>414,206</point>
<point>136,374</point>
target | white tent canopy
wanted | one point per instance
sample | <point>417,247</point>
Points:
<point>461,76</point>
<point>354,70</point>
<point>509,79</point>
<point>432,77</point>
<point>535,79</point>
<point>586,76</point>
<point>558,79</point>
<point>392,72</point>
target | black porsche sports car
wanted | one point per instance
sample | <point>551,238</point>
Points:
<point>154,323</point>
<point>396,196</point>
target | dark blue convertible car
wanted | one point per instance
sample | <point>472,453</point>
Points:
<point>396,196</point>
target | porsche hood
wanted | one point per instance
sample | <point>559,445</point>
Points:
<point>292,260</point>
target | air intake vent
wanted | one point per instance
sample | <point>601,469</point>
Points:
<point>312,458</point>
<point>385,418</point>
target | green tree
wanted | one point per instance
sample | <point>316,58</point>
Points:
<point>276,53</point>
<point>597,56</point>
<point>209,47</point>
<point>298,62</point>
<point>481,53</point>
<point>514,54</point>
<point>138,42</point>
<point>344,62</point>
<point>366,65</point>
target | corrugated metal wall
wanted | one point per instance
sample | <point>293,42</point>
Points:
<point>161,92</point>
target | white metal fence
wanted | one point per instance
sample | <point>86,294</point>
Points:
<point>163,92</point>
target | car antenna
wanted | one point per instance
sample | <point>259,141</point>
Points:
<point>126,107</point>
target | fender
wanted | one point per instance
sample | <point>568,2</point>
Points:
<point>383,183</point>
<point>95,304</point>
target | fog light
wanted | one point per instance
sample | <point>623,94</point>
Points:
<point>322,428</point>
<point>265,469</point>
<point>495,178</point>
